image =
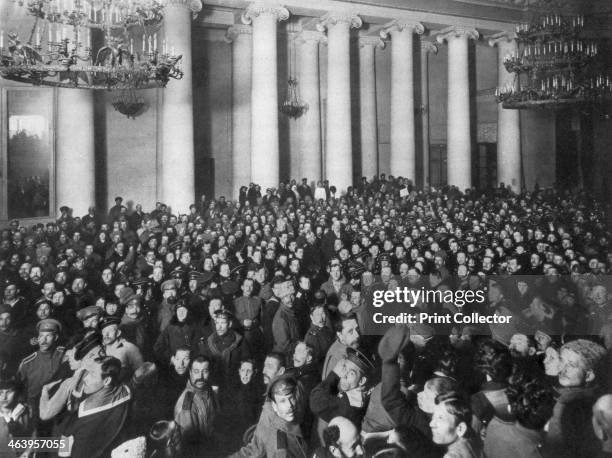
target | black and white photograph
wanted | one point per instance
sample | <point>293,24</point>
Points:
<point>305,229</point>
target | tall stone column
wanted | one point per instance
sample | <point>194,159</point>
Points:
<point>339,151</point>
<point>310,121</point>
<point>508,124</point>
<point>403,147</point>
<point>178,183</point>
<point>240,36</point>
<point>75,159</point>
<point>458,138</point>
<point>367,107</point>
<point>426,48</point>
<point>264,92</point>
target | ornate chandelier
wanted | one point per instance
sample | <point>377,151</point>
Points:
<point>292,106</point>
<point>91,44</point>
<point>555,65</point>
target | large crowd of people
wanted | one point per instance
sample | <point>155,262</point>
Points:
<point>245,328</point>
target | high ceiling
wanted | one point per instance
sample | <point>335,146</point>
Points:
<point>486,15</point>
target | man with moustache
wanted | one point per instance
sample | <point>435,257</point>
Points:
<point>196,408</point>
<point>41,366</point>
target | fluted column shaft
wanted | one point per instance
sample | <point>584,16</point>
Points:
<point>403,147</point>
<point>338,154</point>
<point>458,138</point>
<point>75,159</point>
<point>426,48</point>
<point>241,38</point>
<point>367,108</point>
<point>310,122</point>
<point>178,184</point>
<point>508,123</point>
<point>264,93</point>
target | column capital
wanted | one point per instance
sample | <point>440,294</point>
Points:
<point>399,25</point>
<point>237,29</point>
<point>258,9</point>
<point>195,6</point>
<point>456,31</point>
<point>374,41</point>
<point>502,38</point>
<point>306,36</point>
<point>428,46</point>
<point>336,17</point>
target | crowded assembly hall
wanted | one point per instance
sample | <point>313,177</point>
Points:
<point>305,230</point>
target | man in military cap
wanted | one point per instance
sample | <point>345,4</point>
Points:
<point>178,274</point>
<point>344,392</point>
<point>90,317</point>
<point>134,326</point>
<point>115,345</point>
<point>278,431</point>
<point>41,366</point>
<point>226,348</point>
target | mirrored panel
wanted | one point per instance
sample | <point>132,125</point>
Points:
<point>29,152</point>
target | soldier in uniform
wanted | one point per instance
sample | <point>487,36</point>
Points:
<point>278,433</point>
<point>41,366</point>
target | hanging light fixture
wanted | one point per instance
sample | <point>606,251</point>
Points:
<point>556,64</point>
<point>293,107</point>
<point>128,103</point>
<point>63,50</point>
